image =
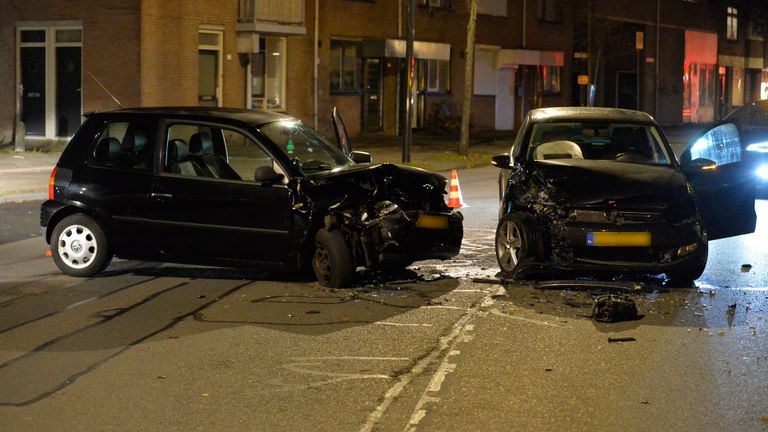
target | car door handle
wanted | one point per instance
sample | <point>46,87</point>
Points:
<point>161,195</point>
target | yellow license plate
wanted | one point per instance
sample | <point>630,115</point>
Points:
<point>432,221</point>
<point>619,239</point>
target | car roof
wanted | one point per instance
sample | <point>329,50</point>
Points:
<point>562,114</point>
<point>254,117</point>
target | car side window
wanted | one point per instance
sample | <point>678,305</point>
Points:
<point>722,145</point>
<point>246,155</point>
<point>203,150</point>
<point>125,145</point>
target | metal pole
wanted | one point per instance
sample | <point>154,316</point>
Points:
<point>656,63</point>
<point>408,136</point>
<point>315,62</point>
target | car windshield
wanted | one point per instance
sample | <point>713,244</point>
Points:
<point>307,149</point>
<point>628,143</point>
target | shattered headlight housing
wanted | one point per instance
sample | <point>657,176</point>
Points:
<point>384,208</point>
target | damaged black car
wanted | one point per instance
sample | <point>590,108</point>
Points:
<point>238,188</point>
<point>599,191</point>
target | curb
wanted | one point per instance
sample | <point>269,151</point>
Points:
<point>23,198</point>
<point>27,170</point>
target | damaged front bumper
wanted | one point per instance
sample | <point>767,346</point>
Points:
<point>669,247</point>
<point>407,236</point>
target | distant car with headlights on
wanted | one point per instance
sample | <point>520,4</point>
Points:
<point>241,188</point>
<point>599,191</point>
<point>752,122</point>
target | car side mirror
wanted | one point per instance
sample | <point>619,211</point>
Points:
<point>502,161</point>
<point>267,174</point>
<point>700,164</point>
<point>361,157</point>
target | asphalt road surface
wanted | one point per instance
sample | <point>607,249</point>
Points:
<point>162,347</point>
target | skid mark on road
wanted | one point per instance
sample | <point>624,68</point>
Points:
<point>122,328</point>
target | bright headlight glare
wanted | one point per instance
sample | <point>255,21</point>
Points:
<point>762,171</point>
<point>761,147</point>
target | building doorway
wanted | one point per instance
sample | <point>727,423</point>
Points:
<point>372,100</point>
<point>33,90</point>
<point>626,90</point>
<point>505,99</point>
<point>209,68</point>
<point>50,80</point>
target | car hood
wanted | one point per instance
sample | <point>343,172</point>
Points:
<point>583,182</point>
<point>411,188</point>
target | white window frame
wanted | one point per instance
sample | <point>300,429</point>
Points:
<point>732,24</point>
<point>50,46</point>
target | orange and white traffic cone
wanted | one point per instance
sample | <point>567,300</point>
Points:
<point>454,193</point>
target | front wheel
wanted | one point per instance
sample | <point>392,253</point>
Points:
<point>516,242</point>
<point>332,261</point>
<point>79,246</point>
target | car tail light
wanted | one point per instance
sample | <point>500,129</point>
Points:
<point>51,183</point>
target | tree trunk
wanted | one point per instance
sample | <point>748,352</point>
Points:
<point>469,68</point>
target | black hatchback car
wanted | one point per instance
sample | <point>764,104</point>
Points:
<point>599,190</point>
<point>238,188</point>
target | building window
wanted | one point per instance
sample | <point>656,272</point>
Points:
<point>438,76</point>
<point>699,88</point>
<point>550,79</point>
<point>345,67</point>
<point>435,3</point>
<point>549,10</point>
<point>732,24</point>
<point>268,74</point>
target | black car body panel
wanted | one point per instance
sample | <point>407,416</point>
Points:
<point>151,207</point>
<point>568,202</point>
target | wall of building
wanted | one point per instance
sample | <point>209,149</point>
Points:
<point>169,51</point>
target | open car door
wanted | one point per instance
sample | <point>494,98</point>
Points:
<point>723,181</point>
<point>342,138</point>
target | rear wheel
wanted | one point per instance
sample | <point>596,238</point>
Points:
<point>684,275</point>
<point>332,261</point>
<point>516,242</point>
<point>79,246</point>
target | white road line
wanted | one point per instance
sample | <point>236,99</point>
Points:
<point>444,344</point>
<point>396,324</point>
<point>519,318</point>
<point>353,358</point>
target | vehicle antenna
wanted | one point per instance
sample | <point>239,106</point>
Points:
<point>105,89</point>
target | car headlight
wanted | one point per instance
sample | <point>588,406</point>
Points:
<point>758,147</point>
<point>762,171</point>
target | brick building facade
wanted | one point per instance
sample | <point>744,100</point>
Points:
<point>306,56</point>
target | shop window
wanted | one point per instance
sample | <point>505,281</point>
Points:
<point>549,10</point>
<point>699,85</point>
<point>345,67</point>
<point>732,24</point>
<point>438,76</point>
<point>268,74</point>
<point>550,79</point>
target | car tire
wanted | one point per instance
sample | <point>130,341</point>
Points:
<point>79,246</point>
<point>684,275</point>
<point>517,241</point>
<point>332,261</point>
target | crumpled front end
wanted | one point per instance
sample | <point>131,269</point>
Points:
<point>392,216</point>
<point>612,226</point>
